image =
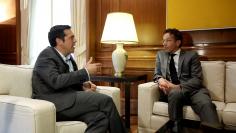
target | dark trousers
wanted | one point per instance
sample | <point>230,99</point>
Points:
<point>199,101</point>
<point>97,110</point>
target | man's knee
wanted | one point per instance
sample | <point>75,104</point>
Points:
<point>98,117</point>
<point>207,104</point>
<point>107,99</point>
<point>101,116</point>
<point>202,107</point>
<point>174,94</point>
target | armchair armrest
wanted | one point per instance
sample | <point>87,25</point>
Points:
<point>26,115</point>
<point>147,94</point>
<point>113,92</point>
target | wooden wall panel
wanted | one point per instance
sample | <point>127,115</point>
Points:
<point>149,17</point>
<point>217,44</point>
<point>10,38</point>
<point>8,54</point>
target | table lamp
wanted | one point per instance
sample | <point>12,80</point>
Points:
<point>119,29</point>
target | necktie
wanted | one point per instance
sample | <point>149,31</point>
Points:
<point>173,73</point>
<point>69,63</point>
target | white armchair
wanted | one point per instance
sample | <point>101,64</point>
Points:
<point>21,114</point>
<point>219,79</point>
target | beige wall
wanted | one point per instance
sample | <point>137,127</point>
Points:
<point>201,14</point>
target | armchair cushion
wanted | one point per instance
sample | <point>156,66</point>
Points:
<point>214,78</point>
<point>15,80</point>
<point>26,115</point>
<point>230,85</point>
<point>161,108</point>
<point>70,127</point>
<point>229,116</point>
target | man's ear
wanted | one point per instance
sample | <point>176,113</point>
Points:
<point>58,41</point>
<point>178,42</point>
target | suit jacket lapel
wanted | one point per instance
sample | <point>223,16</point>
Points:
<point>166,56</point>
<point>74,64</point>
<point>181,59</point>
<point>66,65</point>
<point>60,58</point>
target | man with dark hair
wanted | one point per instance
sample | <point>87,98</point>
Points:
<point>179,77</point>
<point>57,79</point>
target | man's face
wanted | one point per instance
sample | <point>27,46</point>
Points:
<point>68,46</point>
<point>170,43</point>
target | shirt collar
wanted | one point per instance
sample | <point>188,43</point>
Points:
<point>177,52</point>
<point>65,58</point>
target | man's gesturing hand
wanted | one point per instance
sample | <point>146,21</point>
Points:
<point>93,68</point>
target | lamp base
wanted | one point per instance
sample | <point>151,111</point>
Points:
<point>119,58</point>
<point>118,74</point>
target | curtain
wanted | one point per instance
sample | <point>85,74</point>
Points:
<point>78,23</point>
<point>44,15</point>
<point>38,16</point>
<point>25,10</point>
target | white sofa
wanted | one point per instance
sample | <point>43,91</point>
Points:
<point>21,114</point>
<point>219,78</point>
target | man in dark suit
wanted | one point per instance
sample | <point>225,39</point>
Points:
<point>179,77</point>
<point>57,79</point>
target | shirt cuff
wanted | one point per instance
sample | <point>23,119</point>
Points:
<point>87,73</point>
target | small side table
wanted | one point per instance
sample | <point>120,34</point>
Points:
<point>127,80</point>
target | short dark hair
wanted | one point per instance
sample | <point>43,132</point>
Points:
<point>57,31</point>
<point>177,34</point>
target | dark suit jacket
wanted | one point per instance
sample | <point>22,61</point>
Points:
<point>53,82</point>
<point>189,70</point>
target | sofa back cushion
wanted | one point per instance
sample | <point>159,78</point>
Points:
<point>230,85</point>
<point>15,80</point>
<point>214,78</point>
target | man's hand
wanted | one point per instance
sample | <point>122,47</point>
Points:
<point>93,68</point>
<point>89,86</point>
<point>163,85</point>
<point>166,85</point>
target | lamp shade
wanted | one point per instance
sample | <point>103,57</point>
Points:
<point>119,28</point>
